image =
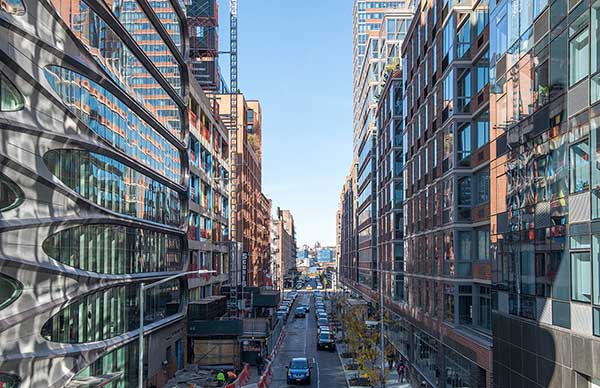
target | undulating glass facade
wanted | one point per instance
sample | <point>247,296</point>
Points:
<point>125,68</point>
<point>115,186</point>
<point>114,121</point>
<point>115,249</point>
<point>111,312</point>
<point>10,289</point>
<point>11,100</point>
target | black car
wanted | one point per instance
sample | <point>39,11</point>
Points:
<point>300,312</point>
<point>326,340</point>
<point>298,371</point>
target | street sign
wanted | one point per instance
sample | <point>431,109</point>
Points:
<point>244,269</point>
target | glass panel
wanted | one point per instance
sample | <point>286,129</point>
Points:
<point>123,249</point>
<point>10,290</point>
<point>11,195</point>
<point>581,280</point>
<point>596,269</point>
<point>111,119</point>
<point>561,314</point>
<point>595,34</point>
<point>579,57</point>
<point>580,166</point>
<point>65,327</point>
<point>6,380</point>
<point>121,64</point>
<point>596,318</point>
<point>115,186</point>
<point>14,7</point>
<point>11,99</point>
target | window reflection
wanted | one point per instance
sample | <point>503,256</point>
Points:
<point>115,249</point>
<point>14,7</point>
<point>11,99</point>
<point>9,381</point>
<point>11,195</point>
<point>123,361</point>
<point>115,186</point>
<point>114,56</point>
<point>10,290</point>
<point>111,119</point>
<point>106,314</point>
<point>133,18</point>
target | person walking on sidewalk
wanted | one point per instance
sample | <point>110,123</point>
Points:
<point>259,365</point>
<point>401,370</point>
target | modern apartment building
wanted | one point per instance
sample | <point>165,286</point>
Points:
<point>347,264</point>
<point>93,190</point>
<point>284,243</point>
<point>390,188</point>
<point>446,309</point>
<point>208,222</point>
<point>545,126</point>
<point>254,209</point>
<point>386,25</point>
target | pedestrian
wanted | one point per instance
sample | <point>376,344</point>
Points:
<point>221,378</point>
<point>400,369</point>
<point>390,358</point>
<point>259,365</point>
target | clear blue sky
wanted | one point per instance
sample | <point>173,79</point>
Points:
<point>296,58</point>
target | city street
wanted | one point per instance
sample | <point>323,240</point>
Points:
<point>300,341</point>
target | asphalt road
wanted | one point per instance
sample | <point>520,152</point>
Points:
<point>301,341</point>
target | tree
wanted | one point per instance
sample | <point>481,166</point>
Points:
<point>363,343</point>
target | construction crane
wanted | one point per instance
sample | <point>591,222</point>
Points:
<point>233,157</point>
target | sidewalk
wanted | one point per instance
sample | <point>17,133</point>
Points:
<point>391,380</point>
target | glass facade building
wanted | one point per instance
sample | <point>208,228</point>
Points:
<point>544,121</point>
<point>93,190</point>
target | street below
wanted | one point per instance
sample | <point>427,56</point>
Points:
<point>301,341</point>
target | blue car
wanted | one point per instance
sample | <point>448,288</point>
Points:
<point>298,371</point>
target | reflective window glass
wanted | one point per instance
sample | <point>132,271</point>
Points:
<point>581,278</point>
<point>111,312</point>
<point>111,119</point>
<point>11,195</point>
<point>14,7</point>
<point>11,99</point>
<point>114,249</point>
<point>579,60</point>
<point>115,186</point>
<point>121,64</point>
<point>10,290</point>
<point>9,381</point>
<point>580,167</point>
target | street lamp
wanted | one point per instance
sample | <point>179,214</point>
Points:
<point>143,289</point>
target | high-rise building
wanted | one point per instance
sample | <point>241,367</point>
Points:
<point>545,174</point>
<point>92,190</point>
<point>254,209</point>
<point>379,29</point>
<point>347,265</point>
<point>284,241</point>
<point>208,221</point>
<point>445,312</point>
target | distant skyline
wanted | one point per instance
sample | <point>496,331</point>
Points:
<point>296,58</point>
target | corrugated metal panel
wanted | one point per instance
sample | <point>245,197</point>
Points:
<point>579,207</point>
<point>581,319</point>
<point>544,310</point>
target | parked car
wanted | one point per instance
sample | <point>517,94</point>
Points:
<point>326,340</point>
<point>323,322</point>
<point>298,371</point>
<point>300,312</point>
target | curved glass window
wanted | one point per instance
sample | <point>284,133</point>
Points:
<point>9,381</point>
<point>14,7</point>
<point>133,18</point>
<point>114,249</point>
<point>10,289</point>
<point>11,195</point>
<point>120,366</point>
<point>114,56</point>
<point>11,99</point>
<point>115,186</point>
<point>169,18</point>
<point>111,312</point>
<point>111,119</point>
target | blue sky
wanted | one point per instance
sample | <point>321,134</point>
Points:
<point>296,58</point>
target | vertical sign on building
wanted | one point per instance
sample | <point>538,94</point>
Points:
<point>244,269</point>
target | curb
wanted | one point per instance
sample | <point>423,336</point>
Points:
<point>337,350</point>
